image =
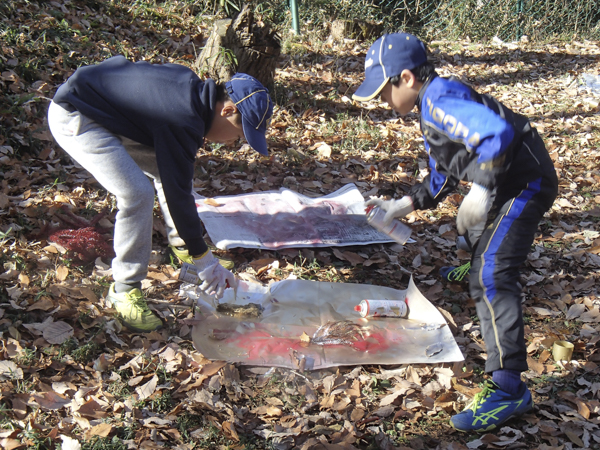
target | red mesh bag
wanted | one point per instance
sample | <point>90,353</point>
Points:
<point>83,245</point>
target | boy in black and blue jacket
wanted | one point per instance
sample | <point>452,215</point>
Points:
<point>126,122</point>
<point>472,137</point>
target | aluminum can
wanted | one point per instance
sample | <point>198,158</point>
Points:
<point>382,308</point>
<point>397,230</point>
<point>189,273</point>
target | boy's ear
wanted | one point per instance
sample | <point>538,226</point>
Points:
<point>229,109</point>
<point>408,77</point>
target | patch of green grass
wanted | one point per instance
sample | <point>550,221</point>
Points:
<point>104,443</point>
<point>67,347</point>
<point>305,270</point>
<point>86,353</point>
<point>186,423</point>
<point>160,404</point>
<point>120,388</point>
<point>5,414</point>
<point>34,440</point>
<point>23,386</point>
<point>82,354</point>
<point>26,357</point>
<point>211,438</point>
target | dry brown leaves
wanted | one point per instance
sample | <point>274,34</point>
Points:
<point>69,373</point>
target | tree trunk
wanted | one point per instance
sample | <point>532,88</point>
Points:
<point>240,45</point>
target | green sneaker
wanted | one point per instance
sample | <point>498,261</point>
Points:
<point>133,310</point>
<point>184,256</point>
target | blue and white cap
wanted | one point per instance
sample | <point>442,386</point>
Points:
<point>253,102</point>
<point>386,58</point>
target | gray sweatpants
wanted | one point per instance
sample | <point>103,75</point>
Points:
<point>122,167</point>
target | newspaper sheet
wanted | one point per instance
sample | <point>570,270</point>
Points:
<point>294,309</point>
<point>285,219</point>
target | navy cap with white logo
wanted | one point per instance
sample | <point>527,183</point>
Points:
<point>253,102</point>
<point>386,58</point>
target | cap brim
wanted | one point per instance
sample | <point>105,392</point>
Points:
<point>255,138</point>
<point>370,88</point>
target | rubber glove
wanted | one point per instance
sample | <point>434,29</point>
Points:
<point>396,209</point>
<point>214,277</point>
<point>474,208</point>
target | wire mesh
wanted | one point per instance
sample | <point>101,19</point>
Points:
<point>476,19</point>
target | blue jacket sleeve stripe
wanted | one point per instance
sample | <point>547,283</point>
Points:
<point>477,127</point>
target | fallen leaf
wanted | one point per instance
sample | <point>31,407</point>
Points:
<point>212,202</point>
<point>51,400</point>
<point>62,272</point>
<point>575,311</point>
<point>102,430</point>
<point>10,371</point>
<point>12,444</point>
<point>212,368</point>
<point>146,390</point>
<point>58,332</point>
<point>43,303</point>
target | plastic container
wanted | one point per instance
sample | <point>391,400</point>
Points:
<point>398,231</point>
<point>382,308</point>
<point>189,273</point>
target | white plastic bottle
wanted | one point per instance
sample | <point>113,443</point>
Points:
<point>382,308</point>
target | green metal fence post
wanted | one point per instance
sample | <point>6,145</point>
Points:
<point>295,20</point>
<point>519,19</point>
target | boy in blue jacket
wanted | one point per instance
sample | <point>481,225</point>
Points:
<point>124,122</point>
<point>474,138</point>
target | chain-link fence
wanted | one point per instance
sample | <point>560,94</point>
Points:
<point>506,19</point>
<point>443,19</point>
<point>476,19</point>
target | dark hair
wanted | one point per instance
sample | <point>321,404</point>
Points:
<point>222,94</point>
<point>421,73</point>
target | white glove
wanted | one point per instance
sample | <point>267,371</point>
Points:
<point>215,278</point>
<point>474,208</point>
<point>396,209</point>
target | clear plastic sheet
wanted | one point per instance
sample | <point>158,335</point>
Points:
<point>591,83</point>
<point>295,309</point>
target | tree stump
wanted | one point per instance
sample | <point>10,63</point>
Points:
<point>240,45</point>
<point>355,29</point>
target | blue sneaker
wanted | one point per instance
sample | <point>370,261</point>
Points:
<point>455,273</point>
<point>492,407</point>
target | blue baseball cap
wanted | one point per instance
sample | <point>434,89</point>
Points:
<point>386,58</point>
<point>253,102</point>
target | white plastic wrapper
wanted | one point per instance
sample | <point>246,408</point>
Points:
<point>293,311</point>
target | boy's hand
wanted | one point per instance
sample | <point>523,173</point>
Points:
<point>474,208</point>
<point>215,278</point>
<point>396,209</point>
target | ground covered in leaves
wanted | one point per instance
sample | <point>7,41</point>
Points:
<point>71,377</point>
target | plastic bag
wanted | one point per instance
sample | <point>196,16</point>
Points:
<point>591,82</point>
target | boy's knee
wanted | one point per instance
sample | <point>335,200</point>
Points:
<point>140,198</point>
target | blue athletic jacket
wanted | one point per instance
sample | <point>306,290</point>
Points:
<point>165,106</point>
<point>468,136</point>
